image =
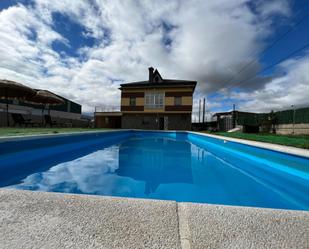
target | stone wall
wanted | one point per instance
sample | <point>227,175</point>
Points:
<point>286,129</point>
<point>179,122</point>
<point>152,121</point>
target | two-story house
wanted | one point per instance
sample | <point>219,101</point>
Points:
<point>156,103</point>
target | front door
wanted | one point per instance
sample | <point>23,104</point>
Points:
<point>161,123</point>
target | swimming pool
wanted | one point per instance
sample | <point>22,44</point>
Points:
<point>181,166</point>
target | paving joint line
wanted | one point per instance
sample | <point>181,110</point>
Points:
<point>183,227</point>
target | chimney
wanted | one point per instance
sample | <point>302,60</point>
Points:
<point>150,69</point>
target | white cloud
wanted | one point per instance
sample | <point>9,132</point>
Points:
<point>282,92</point>
<point>209,42</point>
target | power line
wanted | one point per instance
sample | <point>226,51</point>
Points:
<point>270,46</point>
<point>272,65</point>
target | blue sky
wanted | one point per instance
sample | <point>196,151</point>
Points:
<point>73,32</point>
<point>85,49</point>
<point>296,39</point>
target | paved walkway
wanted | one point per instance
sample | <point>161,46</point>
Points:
<point>53,220</point>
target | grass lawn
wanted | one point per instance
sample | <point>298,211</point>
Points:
<point>289,140</point>
<point>36,131</point>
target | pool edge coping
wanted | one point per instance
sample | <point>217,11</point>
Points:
<point>37,136</point>
<point>190,217</point>
<point>263,145</point>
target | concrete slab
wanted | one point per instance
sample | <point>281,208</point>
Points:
<point>212,226</point>
<point>53,220</point>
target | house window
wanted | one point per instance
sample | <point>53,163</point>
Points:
<point>178,101</point>
<point>132,101</point>
<point>154,100</point>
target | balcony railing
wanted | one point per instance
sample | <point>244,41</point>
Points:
<point>108,108</point>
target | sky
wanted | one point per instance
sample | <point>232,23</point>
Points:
<point>84,49</point>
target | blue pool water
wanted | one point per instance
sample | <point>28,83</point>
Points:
<point>158,165</point>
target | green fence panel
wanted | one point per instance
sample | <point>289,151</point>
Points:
<point>280,117</point>
<point>252,119</point>
<point>287,116</point>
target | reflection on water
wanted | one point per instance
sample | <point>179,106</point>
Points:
<point>159,168</point>
<point>133,168</point>
<point>93,174</point>
<point>155,161</point>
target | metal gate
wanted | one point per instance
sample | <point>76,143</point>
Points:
<point>225,123</point>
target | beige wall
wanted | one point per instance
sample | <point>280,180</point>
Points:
<point>169,100</point>
<point>126,101</point>
<point>186,100</point>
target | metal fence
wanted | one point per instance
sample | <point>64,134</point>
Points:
<point>300,116</point>
<point>296,116</point>
<point>107,108</point>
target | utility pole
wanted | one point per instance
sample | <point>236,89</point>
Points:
<point>199,111</point>
<point>293,106</point>
<point>204,110</point>
<point>234,116</point>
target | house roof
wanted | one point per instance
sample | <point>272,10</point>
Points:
<point>164,82</point>
<point>156,80</point>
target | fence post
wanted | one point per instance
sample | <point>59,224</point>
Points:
<point>234,117</point>
<point>204,111</point>
<point>199,111</point>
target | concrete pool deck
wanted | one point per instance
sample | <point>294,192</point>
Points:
<point>55,220</point>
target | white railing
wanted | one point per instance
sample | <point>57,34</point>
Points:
<point>107,108</point>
